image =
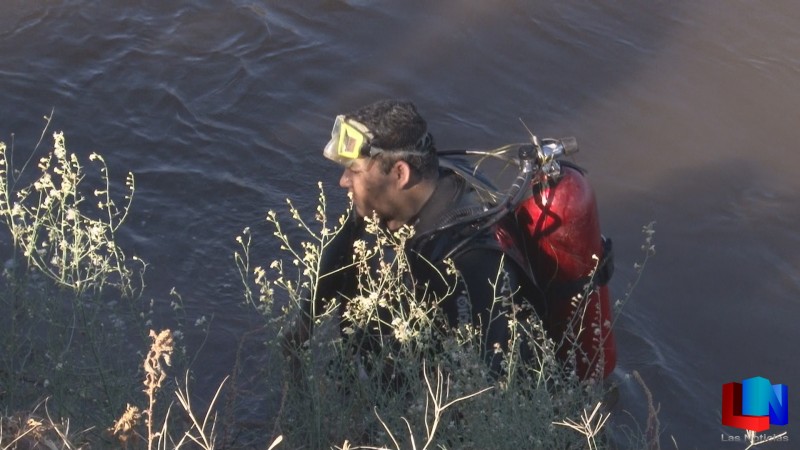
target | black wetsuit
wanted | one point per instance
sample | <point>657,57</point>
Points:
<point>474,299</point>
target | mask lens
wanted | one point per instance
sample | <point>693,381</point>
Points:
<point>347,141</point>
<point>351,141</point>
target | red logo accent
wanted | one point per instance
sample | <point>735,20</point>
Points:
<point>732,410</point>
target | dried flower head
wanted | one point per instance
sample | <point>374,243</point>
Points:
<point>124,428</point>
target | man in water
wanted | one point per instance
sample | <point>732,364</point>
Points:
<point>391,169</point>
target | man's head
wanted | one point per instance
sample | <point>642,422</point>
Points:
<point>389,159</point>
<point>401,132</point>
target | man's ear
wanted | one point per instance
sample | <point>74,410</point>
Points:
<point>402,174</point>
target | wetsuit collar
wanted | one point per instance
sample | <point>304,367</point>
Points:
<point>447,191</point>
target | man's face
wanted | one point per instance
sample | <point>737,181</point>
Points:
<point>372,190</point>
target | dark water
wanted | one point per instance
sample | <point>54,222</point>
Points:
<point>686,113</point>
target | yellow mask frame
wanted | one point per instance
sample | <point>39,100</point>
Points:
<point>350,140</point>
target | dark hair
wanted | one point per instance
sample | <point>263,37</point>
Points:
<point>396,125</point>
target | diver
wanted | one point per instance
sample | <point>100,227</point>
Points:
<point>391,170</point>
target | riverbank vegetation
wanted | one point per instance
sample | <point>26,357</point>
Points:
<point>75,371</point>
<point>421,384</point>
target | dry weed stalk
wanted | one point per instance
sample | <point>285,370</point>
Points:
<point>202,433</point>
<point>435,405</point>
<point>653,425</point>
<point>275,443</point>
<point>587,426</point>
<point>125,427</point>
<point>30,431</point>
<point>161,349</point>
<point>205,435</point>
<point>22,431</point>
<point>753,440</point>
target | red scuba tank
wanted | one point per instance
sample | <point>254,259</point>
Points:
<point>561,230</point>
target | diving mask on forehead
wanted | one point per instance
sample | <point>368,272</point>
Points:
<point>351,140</point>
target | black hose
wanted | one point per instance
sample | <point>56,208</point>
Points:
<point>516,193</point>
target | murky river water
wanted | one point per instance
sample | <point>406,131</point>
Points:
<point>686,112</point>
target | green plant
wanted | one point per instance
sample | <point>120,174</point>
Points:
<point>330,397</point>
<point>50,225</point>
<point>65,337</point>
<point>63,329</point>
<point>72,298</point>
